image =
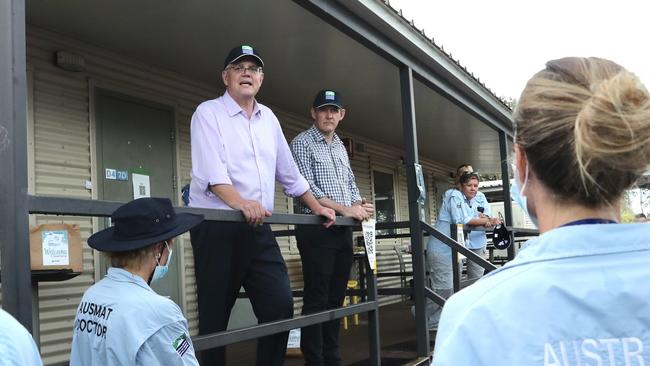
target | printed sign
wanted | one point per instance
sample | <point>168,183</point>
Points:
<point>460,238</point>
<point>111,174</point>
<point>122,175</point>
<point>141,187</point>
<point>55,248</point>
<point>294,339</point>
<point>368,228</point>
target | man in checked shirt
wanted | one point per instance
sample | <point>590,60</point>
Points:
<point>326,253</point>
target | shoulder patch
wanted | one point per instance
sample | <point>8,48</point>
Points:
<point>181,344</point>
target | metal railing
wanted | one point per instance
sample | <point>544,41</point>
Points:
<point>368,289</point>
<point>98,208</point>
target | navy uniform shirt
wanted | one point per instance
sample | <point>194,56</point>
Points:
<point>122,321</point>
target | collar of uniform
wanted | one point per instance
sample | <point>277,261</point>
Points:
<point>580,241</point>
<point>233,108</point>
<point>122,275</point>
<point>318,136</point>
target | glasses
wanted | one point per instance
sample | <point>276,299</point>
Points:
<point>467,176</point>
<point>239,69</point>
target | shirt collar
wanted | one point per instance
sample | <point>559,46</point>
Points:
<point>581,241</point>
<point>122,275</point>
<point>233,108</point>
<point>318,136</point>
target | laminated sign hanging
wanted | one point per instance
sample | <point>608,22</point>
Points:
<point>460,238</point>
<point>368,228</point>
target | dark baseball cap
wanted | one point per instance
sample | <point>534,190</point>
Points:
<point>243,51</point>
<point>327,97</point>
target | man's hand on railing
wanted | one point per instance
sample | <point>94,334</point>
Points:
<point>327,213</point>
<point>368,207</point>
<point>253,211</point>
<point>355,211</point>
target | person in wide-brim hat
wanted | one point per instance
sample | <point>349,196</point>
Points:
<point>121,319</point>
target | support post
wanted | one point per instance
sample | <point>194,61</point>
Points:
<point>411,158</point>
<point>373,319</point>
<point>455,262</point>
<point>14,230</point>
<point>505,181</point>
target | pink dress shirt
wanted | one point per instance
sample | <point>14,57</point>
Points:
<point>228,148</point>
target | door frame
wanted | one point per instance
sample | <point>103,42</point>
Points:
<point>97,87</point>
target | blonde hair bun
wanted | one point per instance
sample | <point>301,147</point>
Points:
<point>589,115</point>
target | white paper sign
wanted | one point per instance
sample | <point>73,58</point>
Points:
<point>111,174</point>
<point>55,248</point>
<point>141,187</point>
<point>368,228</point>
<point>460,238</point>
<point>294,338</point>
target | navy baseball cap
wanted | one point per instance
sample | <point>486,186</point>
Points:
<point>243,51</point>
<point>327,97</point>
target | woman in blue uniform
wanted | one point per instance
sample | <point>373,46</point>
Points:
<point>455,209</point>
<point>121,320</point>
<point>577,294</point>
<point>477,239</point>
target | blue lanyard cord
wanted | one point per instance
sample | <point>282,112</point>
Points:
<point>589,222</point>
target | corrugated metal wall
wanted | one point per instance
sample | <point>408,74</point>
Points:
<point>63,160</point>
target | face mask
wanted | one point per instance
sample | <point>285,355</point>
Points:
<point>518,196</point>
<point>160,271</point>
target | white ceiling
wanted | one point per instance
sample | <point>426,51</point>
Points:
<point>302,54</point>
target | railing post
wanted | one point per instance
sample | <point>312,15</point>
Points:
<point>14,230</point>
<point>373,319</point>
<point>417,250</point>
<point>505,182</point>
<point>455,270</point>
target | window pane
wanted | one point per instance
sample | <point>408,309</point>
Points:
<point>384,199</point>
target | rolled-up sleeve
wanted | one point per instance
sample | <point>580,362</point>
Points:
<point>354,190</point>
<point>209,160</point>
<point>302,157</point>
<point>286,171</point>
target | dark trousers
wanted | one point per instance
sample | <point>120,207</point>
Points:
<point>228,256</point>
<point>326,256</point>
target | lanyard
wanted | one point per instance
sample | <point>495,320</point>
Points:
<point>589,222</point>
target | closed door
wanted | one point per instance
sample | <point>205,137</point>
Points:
<point>135,144</point>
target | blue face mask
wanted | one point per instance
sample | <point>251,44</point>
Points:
<point>160,271</point>
<point>519,198</point>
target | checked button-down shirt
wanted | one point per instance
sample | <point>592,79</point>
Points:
<point>326,168</point>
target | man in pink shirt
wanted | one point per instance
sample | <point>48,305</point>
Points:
<point>238,152</point>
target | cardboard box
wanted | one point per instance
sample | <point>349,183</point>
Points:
<point>56,247</point>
